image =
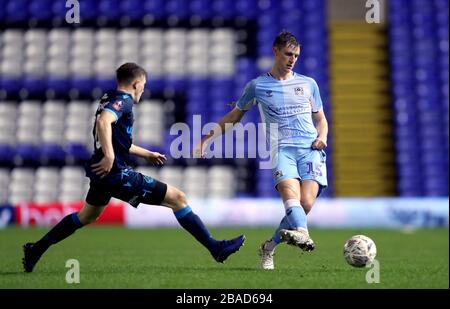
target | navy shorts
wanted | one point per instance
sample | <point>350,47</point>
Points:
<point>126,185</point>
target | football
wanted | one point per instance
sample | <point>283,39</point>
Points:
<point>360,251</point>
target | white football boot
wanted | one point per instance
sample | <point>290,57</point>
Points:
<point>299,238</point>
<point>266,256</point>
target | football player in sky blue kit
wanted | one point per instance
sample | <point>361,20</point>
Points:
<point>111,176</point>
<point>292,103</point>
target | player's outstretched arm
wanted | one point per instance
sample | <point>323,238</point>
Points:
<point>151,156</point>
<point>227,122</point>
<point>322,128</point>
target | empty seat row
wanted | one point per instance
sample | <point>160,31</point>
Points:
<point>88,52</point>
<point>68,184</point>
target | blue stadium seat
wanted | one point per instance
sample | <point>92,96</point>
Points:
<point>410,189</point>
<point>155,8</point>
<point>59,9</point>
<point>314,5</point>
<point>195,108</point>
<point>406,145</point>
<point>442,18</point>
<point>267,22</point>
<point>179,8</point>
<point>33,84</point>
<point>290,5</point>
<point>82,84</point>
<point>201,8</point>
<point>89,9</point>
<point>10,84</point>
<point>28,154</point>
<point>105,83</point>
<point>52,154</point>
<point>224,8</point>
<point>269,6</point>
<point>59,85</point>
<point>39,9</point>
<point>435,157</point>
<point>315,19</point>
<point>76,153</point>
<point>247,8</point>
<point>217,93</point>
<point>109,9</point>
<point>3,4</point>
<point>7,153</point>
<point>132,9</point>
<point>407,158</point>
<point>154,84</point>
<point>17,11</point>
<point>437,191</point>
<point>219,108</point>
<point>245,64</point>
<point>175,82</point>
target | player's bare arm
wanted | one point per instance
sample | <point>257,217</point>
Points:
<point>151,156</point>
<point>104,133</point>
<point>233,117</point>
<point>322,128</point>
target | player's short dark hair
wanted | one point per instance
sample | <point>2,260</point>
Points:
<point>128,72</point>
<point>285,38</point>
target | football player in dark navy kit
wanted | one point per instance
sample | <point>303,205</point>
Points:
<point>111,176</point>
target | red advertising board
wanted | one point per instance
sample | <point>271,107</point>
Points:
<point>51,213</point>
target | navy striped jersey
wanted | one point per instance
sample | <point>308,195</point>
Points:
<point>120,104</point>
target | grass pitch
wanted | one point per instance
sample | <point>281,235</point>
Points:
<point>116,257</point>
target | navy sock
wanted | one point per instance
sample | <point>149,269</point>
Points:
<point>194,225</point>
<point>66,227</point>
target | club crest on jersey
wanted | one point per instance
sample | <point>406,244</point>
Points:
<point>278,174</point>
<point>117,105</point>
<point>299,91</point>
<point>269,93</point>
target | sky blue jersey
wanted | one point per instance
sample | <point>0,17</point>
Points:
<point>289,104</point>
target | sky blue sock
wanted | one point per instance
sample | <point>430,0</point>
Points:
<point>296,217</point>
<point>194,225</point>
<point>284,224</point>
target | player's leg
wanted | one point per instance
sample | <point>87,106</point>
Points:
<point>139,188</point>
<point>286,178</point>
<point>267,248</point>
<point>284,172</point>
<point>66,227</point>
<point>220,250</point>
<point>309,191</point>
<point>297,235</point>
<point>313,175</point>
<point>312,171</point>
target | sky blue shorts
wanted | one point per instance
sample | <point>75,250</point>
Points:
<point>302,164</point>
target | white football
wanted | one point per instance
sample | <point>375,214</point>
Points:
<point>360,251</point>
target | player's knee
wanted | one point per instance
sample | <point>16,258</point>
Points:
<point>181,200</point>
<point>307,203</point>
<point>177,199</point>
<point>87,217</point>
<point>288,193</point>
